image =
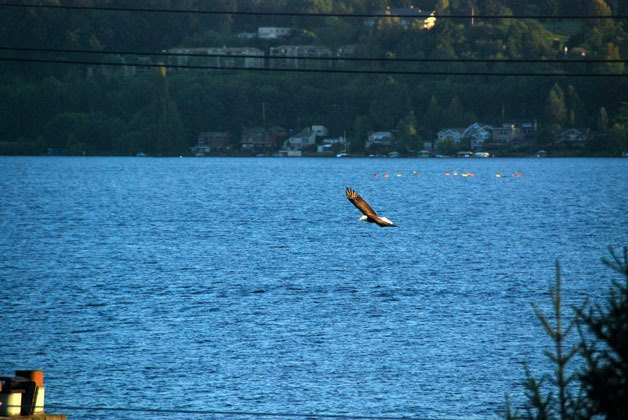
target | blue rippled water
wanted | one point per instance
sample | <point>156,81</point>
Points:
<point>249,285</point>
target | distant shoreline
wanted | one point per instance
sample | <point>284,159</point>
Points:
<point>314,156</point>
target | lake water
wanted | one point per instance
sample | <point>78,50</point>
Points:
<point>249,286</point>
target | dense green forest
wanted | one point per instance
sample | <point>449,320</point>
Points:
<point>105,109</point>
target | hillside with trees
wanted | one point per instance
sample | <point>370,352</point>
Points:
<point>106,109</point>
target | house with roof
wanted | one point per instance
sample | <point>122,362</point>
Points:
<point>453,135</point>
<point>301,140</point>
<point>257,139</point>
<point>212,141</point>
<point>505,134</point>
<point>306,139</point>
<point>528,130</point>
<point>380,140</point>
<point>273,32</point>
<point>332,145</point>
<point>476,135</point>
<point>527,134</point>
<point>514,134</point>
<point>573,137</point>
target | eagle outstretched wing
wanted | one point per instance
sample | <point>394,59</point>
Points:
<point>365,208</point>
<point>360,203</point>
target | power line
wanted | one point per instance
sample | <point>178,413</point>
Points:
<point>282,57</point>
<point>307,70</point>
<point>295,14</point>
<point>225,413</point>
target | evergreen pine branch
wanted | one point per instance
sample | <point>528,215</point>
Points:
<point>544,321</point>
<point>535,397</point>
<point>510,413</point>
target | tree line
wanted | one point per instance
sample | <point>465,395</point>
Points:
<point>98,110</point>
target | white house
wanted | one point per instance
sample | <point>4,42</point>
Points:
<point>477,134</point>
<point>306,137</point>
<point>450,134</point>
<point>272,32</point>
<point>381,137</point>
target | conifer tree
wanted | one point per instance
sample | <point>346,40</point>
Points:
<point>559,400</point>
<point>575,107</point>
<point>555,107</point>
<point>602,384</point>
<point>567,404</point>
<point>605,379</point>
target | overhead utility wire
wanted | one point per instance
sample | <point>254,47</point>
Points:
<point>294,14</point>
<point>284,57</point>
<point>301,70</point>
<point>225,413</point>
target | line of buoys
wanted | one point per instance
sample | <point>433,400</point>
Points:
<point>446,173</point>
<point>516,175</point>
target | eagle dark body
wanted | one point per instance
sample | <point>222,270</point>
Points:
<point>369,214</point>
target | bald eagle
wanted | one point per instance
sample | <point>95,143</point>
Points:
<point>369,215</point>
